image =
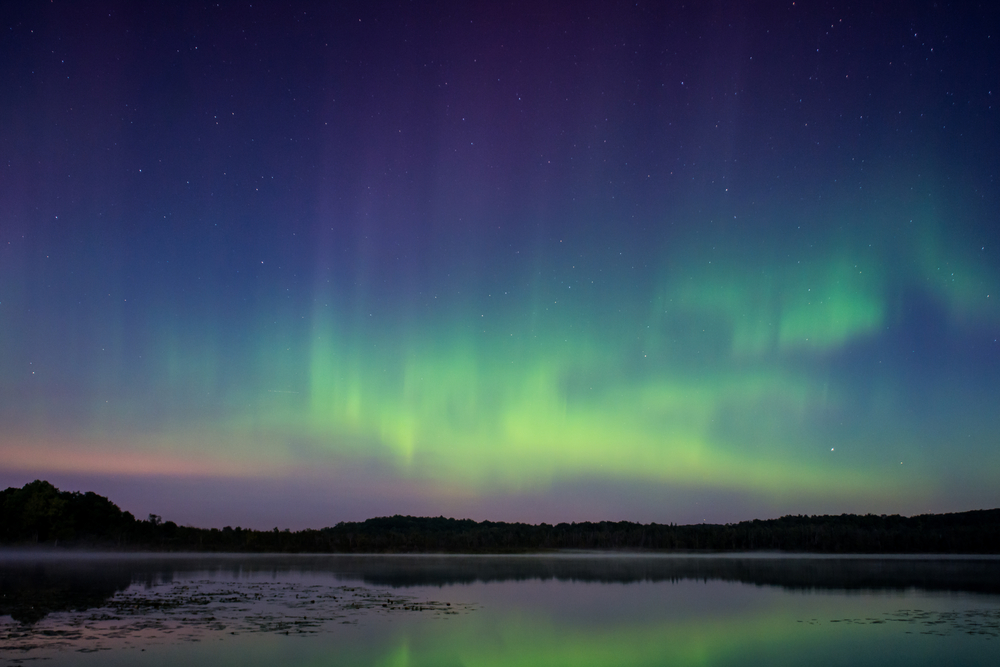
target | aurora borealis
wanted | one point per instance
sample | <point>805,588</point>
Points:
<point>510,261</point>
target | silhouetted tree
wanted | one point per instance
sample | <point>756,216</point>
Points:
<point>39,513</point>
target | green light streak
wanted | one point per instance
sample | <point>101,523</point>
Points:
<point>765,308</point>
<point>556,409</point>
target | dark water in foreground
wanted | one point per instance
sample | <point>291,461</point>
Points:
<point>574,609</point>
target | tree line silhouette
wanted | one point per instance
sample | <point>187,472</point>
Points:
<point>41,514</point>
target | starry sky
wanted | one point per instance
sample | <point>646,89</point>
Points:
<point>297,263</point>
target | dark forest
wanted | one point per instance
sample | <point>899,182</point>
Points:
<point>40,515</point>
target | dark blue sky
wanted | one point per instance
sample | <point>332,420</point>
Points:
<point>521,261</point>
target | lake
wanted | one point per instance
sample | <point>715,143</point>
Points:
<point>559,609</point>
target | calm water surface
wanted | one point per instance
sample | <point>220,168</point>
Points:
<point>570,609</point>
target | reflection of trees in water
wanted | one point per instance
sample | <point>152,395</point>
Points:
<point>979,576</point>
<point>31,591</point>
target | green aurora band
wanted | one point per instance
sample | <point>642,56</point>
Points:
<point>516,400</point>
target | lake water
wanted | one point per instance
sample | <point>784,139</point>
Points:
<point>564,609</point>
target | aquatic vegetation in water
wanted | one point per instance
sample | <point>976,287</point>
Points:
<point>194,610</point>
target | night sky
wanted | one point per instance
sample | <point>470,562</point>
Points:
<point>292,264</point>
